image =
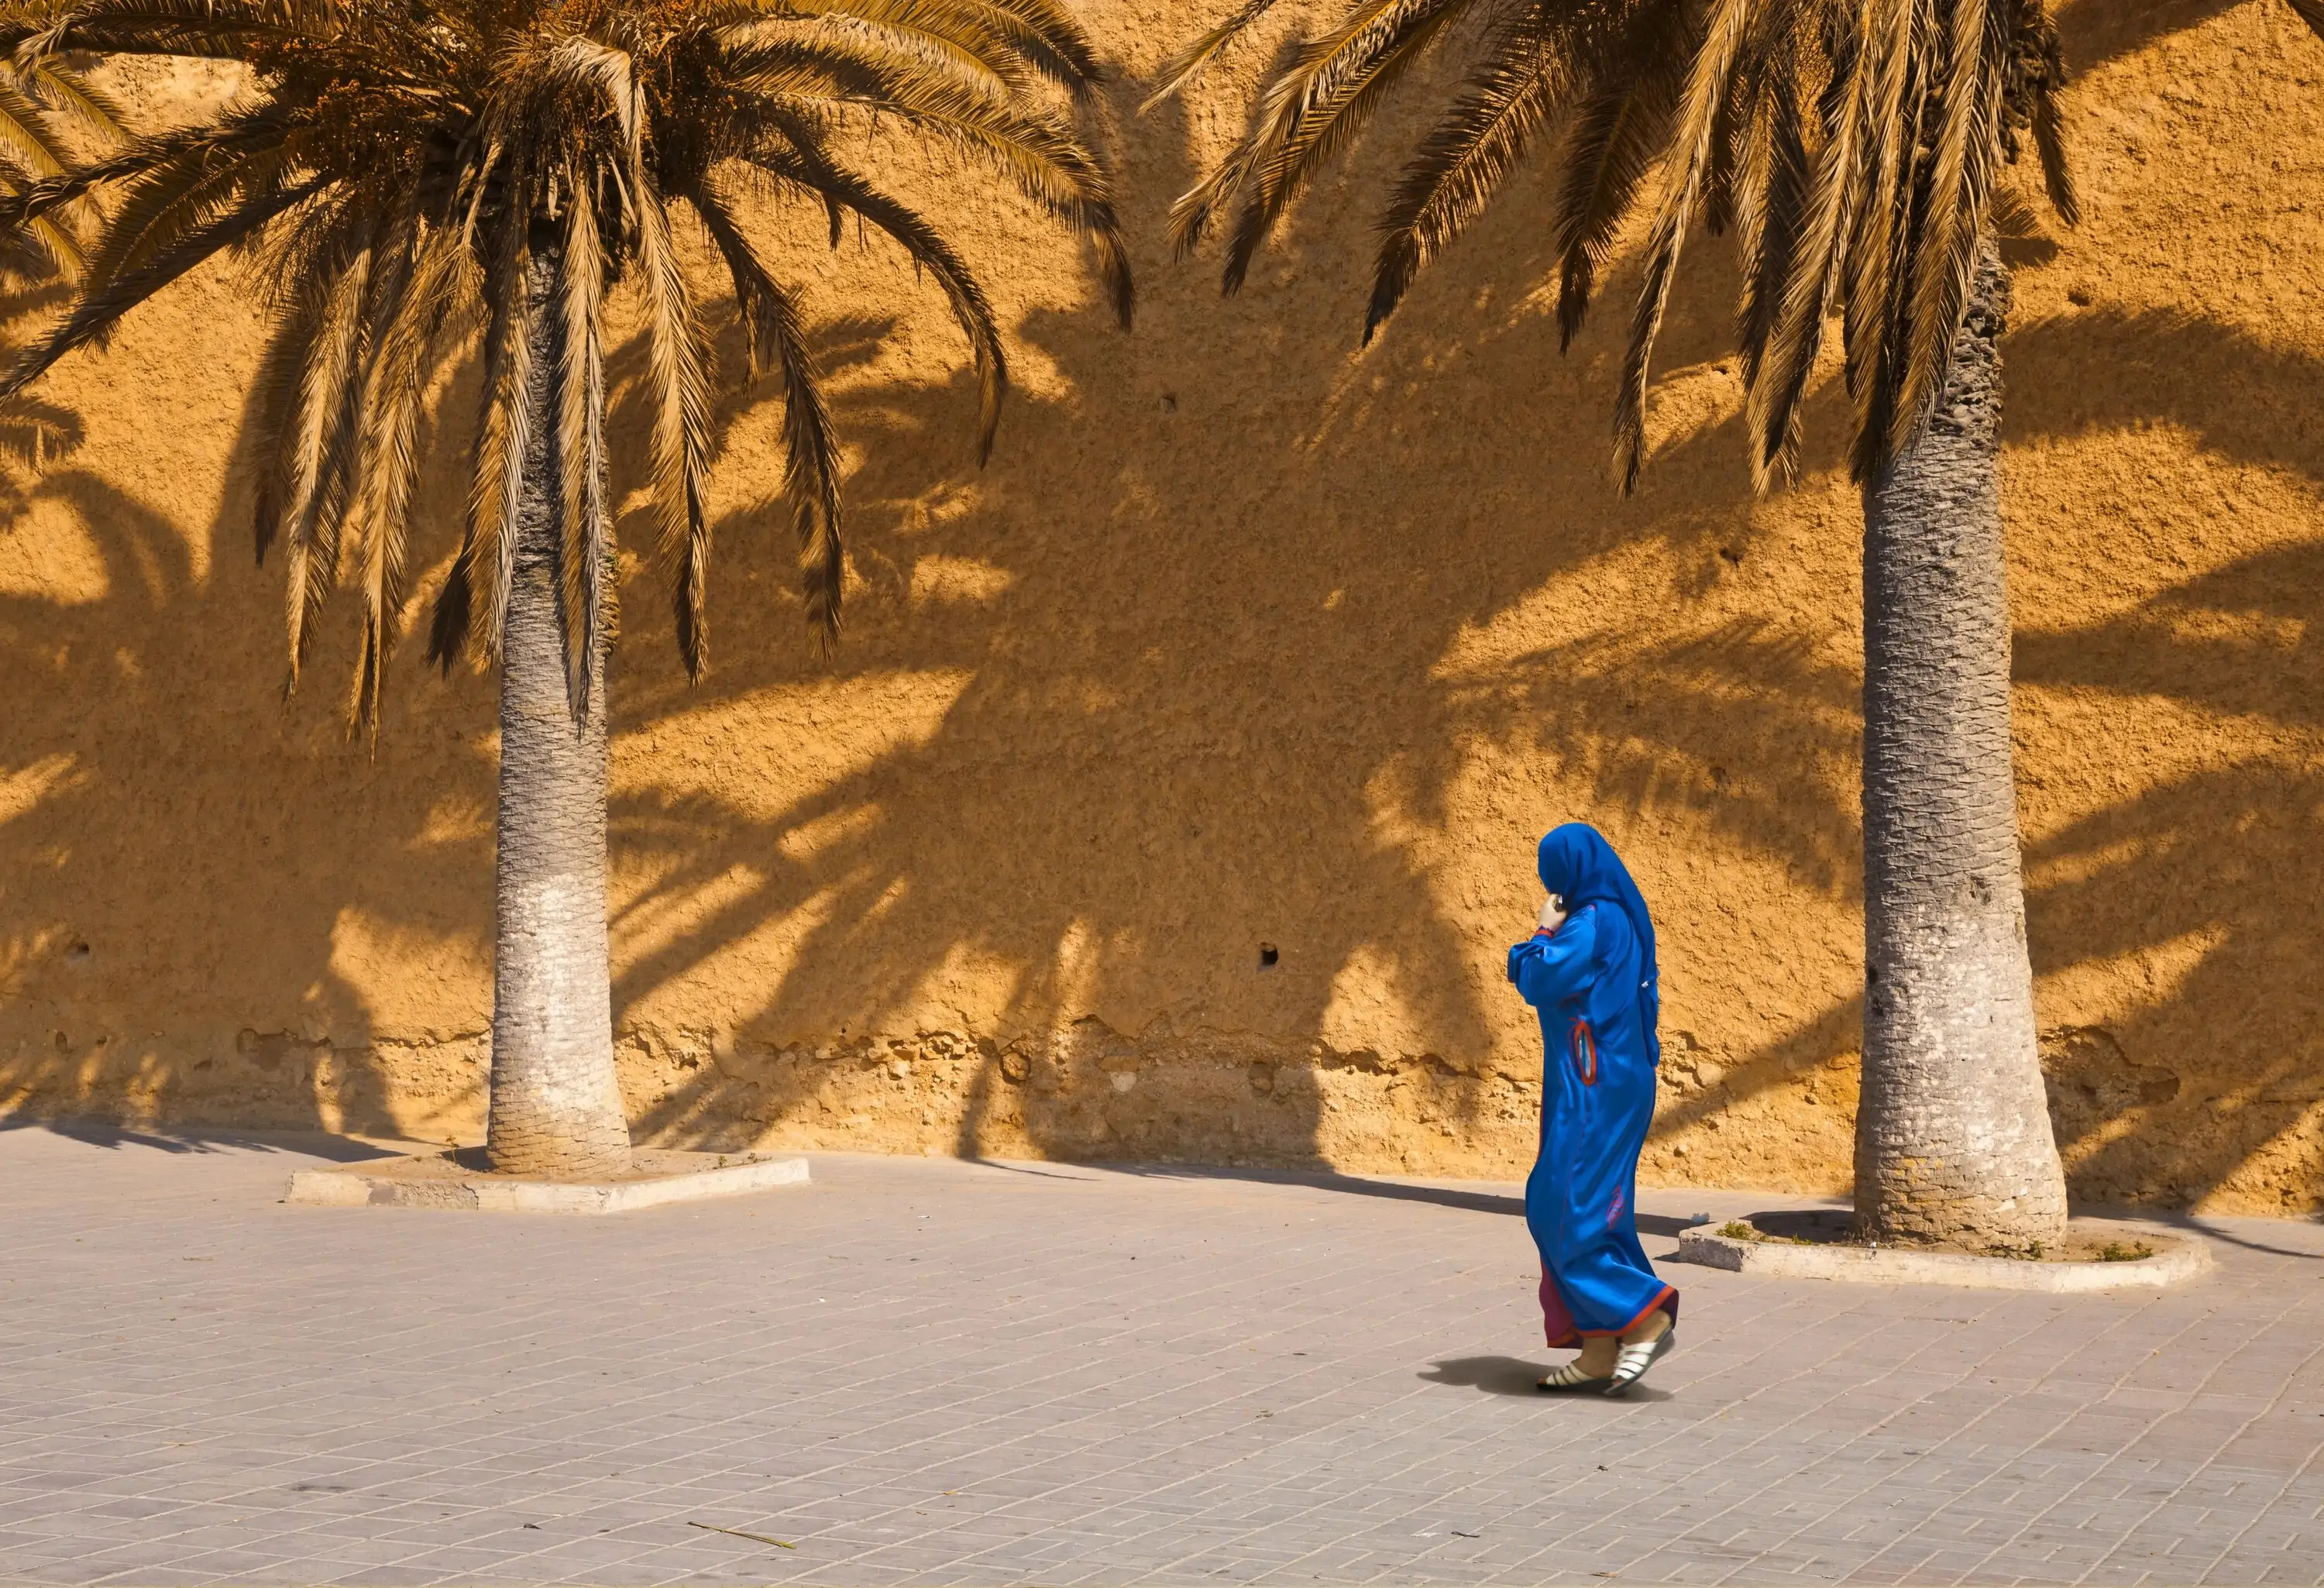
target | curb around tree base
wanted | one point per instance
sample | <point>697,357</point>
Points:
<point>438,1180</point>
<point>2177,1259</point>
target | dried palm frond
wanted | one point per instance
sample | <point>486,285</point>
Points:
<point>395,178</point>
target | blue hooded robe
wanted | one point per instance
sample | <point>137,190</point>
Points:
<point>1593,980</point>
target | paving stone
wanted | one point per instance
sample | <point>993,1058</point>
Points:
<point>1123,1376</point>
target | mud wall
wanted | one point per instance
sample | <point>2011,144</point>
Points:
<point>1173,792</point>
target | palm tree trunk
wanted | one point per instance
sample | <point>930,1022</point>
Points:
<point>556,1102</point>
<point>1954,1144</point>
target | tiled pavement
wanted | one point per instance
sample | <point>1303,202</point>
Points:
<point>932,1371</point>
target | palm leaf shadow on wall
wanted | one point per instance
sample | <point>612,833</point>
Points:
<point>1158,755</point>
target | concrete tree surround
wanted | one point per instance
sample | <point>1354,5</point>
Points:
<point>456,1181</point>
<point>2172,1259</point>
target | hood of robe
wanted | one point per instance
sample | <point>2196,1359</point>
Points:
<point>1580,867</point>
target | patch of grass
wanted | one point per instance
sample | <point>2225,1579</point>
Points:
<point>1736,1230</point>
<point>2115,1251</point>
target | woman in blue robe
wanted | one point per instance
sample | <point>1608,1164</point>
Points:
<point>1590,971</point>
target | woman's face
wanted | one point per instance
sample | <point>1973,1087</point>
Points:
<point>1552,914</point>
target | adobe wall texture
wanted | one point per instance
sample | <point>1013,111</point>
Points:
<point>1247,641</point>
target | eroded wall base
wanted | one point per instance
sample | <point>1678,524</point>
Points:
<point>1090,1093</point>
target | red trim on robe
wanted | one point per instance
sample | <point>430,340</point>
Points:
<point>1557,1323</point>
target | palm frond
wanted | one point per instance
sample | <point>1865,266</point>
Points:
<point>2040,78</point>
<point>77,103</point>
<point>70,187</point>
<point>42,112</point>
<point>172,202</point>
<point>1809,274</point>
<point>1004,34</point>
<point>677,374</point>
<point>1691,139</point>
<point>1033,147</point>
<point>275,401</point>
<point>193,29</point>
<point>382,169</point>
<point>811,448</point>
<point>27,142</point>
<point>317,461</point>
<point>407,320</point>
<point>951,46</point>
<point>679,381</point>
<point>1772,205</point>
<point>1871,287</point>
<point>109,296</point>
<point>1618,134</point>
<point>306,338</point>
<point>1462,162</point>
<point>1853,147</point>
<point>517,290</point>
<point>928,250</point>
<point>1954,202</point>
<point>1307,115</point>
<point>1338,104</point>
<point>584,591</point>
<point>1189,61</point>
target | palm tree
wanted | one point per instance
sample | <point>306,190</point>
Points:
<point>408,178</point>
<point>1856,148</point>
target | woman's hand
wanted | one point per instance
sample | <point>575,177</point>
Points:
<point>1553,913</point>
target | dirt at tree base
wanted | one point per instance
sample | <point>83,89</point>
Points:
<point>2086,1240</point>
<point>469,1163</point>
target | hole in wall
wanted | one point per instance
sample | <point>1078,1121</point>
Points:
<point>1267,956</point>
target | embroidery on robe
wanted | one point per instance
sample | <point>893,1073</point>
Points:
<point>1584,1043</point>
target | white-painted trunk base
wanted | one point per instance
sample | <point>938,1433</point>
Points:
<point>437,1180</point>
